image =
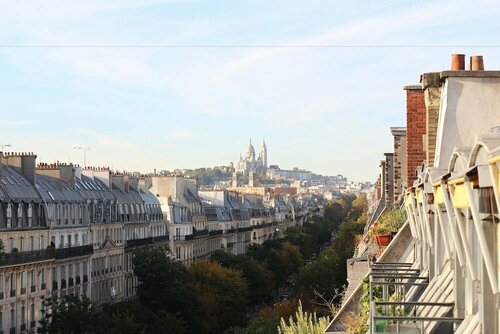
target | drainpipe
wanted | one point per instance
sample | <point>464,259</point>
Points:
<point>451,220</point>
<point>494,177</point>
<point>481,238</point>
<point>447,247</point>
<point>463,236</point>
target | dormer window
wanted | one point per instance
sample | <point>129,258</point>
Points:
<point>30,215</point>
<point>20,215</point>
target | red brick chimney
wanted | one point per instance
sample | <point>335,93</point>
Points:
<point>415,130</point>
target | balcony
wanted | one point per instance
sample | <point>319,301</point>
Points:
<point>71,282</point>
<point>64,253</point>
<point>160,239</point>
<point>33,324</point>
<point>138,242</point>
<point>1,295</point>
<point>23,327</point>
<point>43,286</point>
<point>199,234</point>
<point>216,232</point>
<point>33,288</point>
<point>63,283</point>
<point>54,285</point>
<point>27,257</point>
<point>12,293</point>
<point>85,278</point>
<point>78,280</point>
<point>12,330</point>
<point>23,291</point>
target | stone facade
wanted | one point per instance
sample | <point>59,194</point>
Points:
<point>431,83</point>
<point>400,165</point>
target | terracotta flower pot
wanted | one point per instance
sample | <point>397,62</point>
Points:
<point>383,239</point>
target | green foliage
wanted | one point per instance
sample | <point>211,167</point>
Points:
<point>304,322</point>
<point>325,275</point>
<point>71,314</point>
<point>261,326</point>
<point>221,295</point>
<point>393,220</point>
<point>161,281</point>
<point>301,237</point>
<point>260,280</point>
<point>269,317</point>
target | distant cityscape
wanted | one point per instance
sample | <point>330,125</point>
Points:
<point>251,171</point>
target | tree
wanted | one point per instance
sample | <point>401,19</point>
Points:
<point>260,280</point>
<point>324,276</point>
<point>161,281</point>
<point>284,261</point>
<point>359,206</point>
<point>221,295</point>
<point>162,322</point>
<point>299,236</point>
<point>269,317</point>
<point>72,314</point>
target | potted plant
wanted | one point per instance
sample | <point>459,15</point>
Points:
<point>382,235</point>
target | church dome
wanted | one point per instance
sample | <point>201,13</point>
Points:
<point>250,151</point>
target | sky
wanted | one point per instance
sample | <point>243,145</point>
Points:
<point>97,73</point>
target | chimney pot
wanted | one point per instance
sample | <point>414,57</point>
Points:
<point>476,63</point>
<point>457,62</point>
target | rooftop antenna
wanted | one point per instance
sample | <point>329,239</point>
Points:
<point>84,149</point>
<point>2,146</point>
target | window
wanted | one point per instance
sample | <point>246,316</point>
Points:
<point>21,244</point>
<point>42,242</point>
<point>12,283</point>
<point>23,282</point>
<point>10,246</point>
<point>69,240</point>
<point>32,243</point>
<point>32,312</point>
<point>23,315</point>
<point>12,319</point>
<point>32,280</point>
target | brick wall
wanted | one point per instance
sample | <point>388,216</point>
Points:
<point>415,130</point>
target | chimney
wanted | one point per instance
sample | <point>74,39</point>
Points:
<point>78,172</point>
<point>118,181</point>
<point>415,131</point>
<point>1,165</point>
<point>24,163</point>
<point>57,171</point>
<point>145,183</point>
<point>457,62</point>
<point>431,83</point>
<point>103,175</point>
<point>133,183</point>
<point>476,63</point>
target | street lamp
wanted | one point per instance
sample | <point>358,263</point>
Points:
<point>84,149</point>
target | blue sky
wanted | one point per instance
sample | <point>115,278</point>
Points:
<point>324,109</point>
